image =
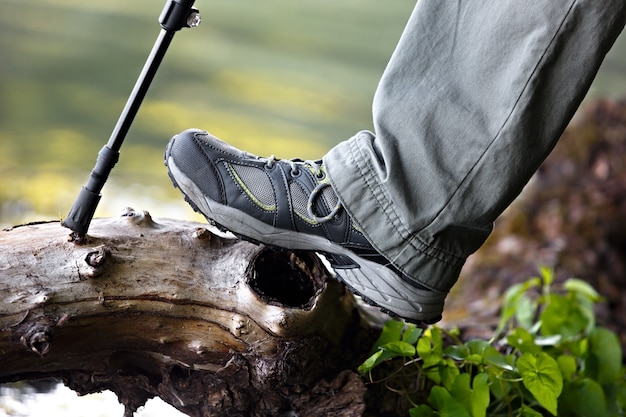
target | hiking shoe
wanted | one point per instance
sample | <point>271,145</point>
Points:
<point>290,204</point>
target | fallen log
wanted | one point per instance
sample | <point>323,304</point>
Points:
<point>211,324</point>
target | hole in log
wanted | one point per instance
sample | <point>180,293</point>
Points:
<point>287,278</point>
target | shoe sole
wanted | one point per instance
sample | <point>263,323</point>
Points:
<point>376,284</point>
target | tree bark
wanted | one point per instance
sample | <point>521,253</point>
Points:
<point>211,324</point>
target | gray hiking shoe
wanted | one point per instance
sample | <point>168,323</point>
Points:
<point>290,204</point>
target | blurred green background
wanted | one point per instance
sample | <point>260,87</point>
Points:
<point>283,77</point>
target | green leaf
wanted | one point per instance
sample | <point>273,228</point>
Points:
<point>380,356</point>
<point>542,377</point>
<point>430,346</point>
<point>480,398</point>
<point>475,399</point>
<point>526,411</point>
<point>579,348</point>
<point>446,406</point>
<point>391,332</point>
<point>448,371</point>
<point>411,334</point>
<point>477,346</point>
<point>615,397</point>
<point>425,349</point>
<point>522,340</point>
<point>563,316</point>
<point>461,390</point>
<point>437,340</point>
<point>547,275</point>
<point>619,395</point>
<point>387,346</point>
<point>567,365</point>
<point>371,362</point>
<point>430,349</point>
<point>422,411</point>
<point>498,386</point>
<point>491,356</point>
<point>474,359</point>
<point>399,348</point>
<point>511,304</point>
<point>457,352</point>
<point>581,287</point>
<point>583,398</point>
<point>525,310</point>
<point>604,360</point>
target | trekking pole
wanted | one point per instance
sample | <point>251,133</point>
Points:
<point>175,15</point>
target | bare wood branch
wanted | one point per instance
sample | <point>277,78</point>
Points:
<point>212,324</point>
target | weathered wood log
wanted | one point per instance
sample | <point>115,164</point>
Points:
<point>211,324</point>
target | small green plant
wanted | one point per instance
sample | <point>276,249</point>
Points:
<point>547,357</point>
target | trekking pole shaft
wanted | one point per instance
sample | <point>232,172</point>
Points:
<point>175,15</point>
<point>84,207</point>
<point>139,91</point>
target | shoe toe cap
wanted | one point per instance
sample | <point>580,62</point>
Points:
<point>191,155</point>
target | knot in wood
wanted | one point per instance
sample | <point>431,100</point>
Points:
<point>94,262</point>
<point>128,212</point>
<point>76,238</point>
<point>138,218</point>
<point>98,257</point>
<point>38,338</point>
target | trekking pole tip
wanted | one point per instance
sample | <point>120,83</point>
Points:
<point>81,213</point>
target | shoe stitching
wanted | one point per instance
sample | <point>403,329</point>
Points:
<point>199,145</point>
<point>247,191</point>
<point>248,197</point>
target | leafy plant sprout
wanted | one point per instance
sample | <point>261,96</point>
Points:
<point>547,357</point>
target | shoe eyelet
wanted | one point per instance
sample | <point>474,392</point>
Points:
<point>269,166</point>
<point>320,175</point>
<point>295,173</point>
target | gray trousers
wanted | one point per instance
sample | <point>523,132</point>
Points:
<point>474,98</point>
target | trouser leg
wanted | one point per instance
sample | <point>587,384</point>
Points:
<point>474,98</point>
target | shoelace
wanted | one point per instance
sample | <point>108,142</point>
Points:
<point>317,170</point>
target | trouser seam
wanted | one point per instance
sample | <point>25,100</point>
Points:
<point>498,134</point>
<point>435,252</point>
<point>378,193</point>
